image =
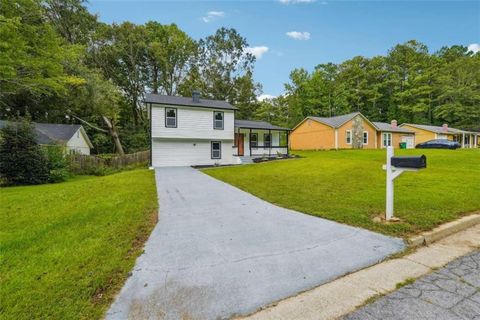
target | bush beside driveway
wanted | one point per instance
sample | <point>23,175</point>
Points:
<point>68,247</point>
<point>349,187</point>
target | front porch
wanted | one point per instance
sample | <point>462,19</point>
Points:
<point>467,139</point>
<point>258,139</point>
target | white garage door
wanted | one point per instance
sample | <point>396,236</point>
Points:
<point>410,140</point>
<point>169,153</point>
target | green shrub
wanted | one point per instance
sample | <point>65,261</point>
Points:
<point>22,161</point>
<point>57,163</point>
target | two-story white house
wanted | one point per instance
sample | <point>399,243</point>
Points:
<point>188,131</point>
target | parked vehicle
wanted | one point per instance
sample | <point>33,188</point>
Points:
<point>439,144</point>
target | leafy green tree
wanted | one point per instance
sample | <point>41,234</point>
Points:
<point>71,20</point>
<point>170,54</point>
<point>120,52</point>
<point>22,161</point>
<point>224,70</point>
<point>32,58</point>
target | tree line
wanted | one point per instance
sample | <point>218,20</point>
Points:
<point>60,64</point>
<point>408,84</point>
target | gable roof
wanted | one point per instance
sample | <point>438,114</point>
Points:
<point>255,124</point>
<point>384,126</point>
<point>187,101</point>
<point>51,133</point>
<point>337,121</point>
<point>437,129</point>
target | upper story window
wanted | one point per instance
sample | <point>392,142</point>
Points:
<point>365,137</point>
<point>218,120</point>
<point>267,139</point>
<point>348,137</point>
<point>170,117</point>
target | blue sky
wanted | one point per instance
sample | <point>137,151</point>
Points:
<point>288,34</point>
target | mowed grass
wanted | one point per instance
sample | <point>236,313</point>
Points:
<point>349,187</point>
<point>67,248</point>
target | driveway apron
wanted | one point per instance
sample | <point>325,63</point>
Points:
<point>219,252</point>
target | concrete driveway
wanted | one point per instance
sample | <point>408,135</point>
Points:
<point>218,252</point>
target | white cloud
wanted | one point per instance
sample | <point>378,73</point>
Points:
<point>295,1</point>
<point>474,47</point>
<point>258,52</point>
<point>213,15</point>
<point>298,35</point>
<point>265,96</point>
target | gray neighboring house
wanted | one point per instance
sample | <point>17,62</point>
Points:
<point>72,136</point>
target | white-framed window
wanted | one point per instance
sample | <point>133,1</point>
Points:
<point>216,150</point>
<point>171,117</point>
<point>386,139</point>
<point>365,137</point>
<point>218,120</point>
<point>253,140</point>
<point>348,137</point>
<point>267,140</point>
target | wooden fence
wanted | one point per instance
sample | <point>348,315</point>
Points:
<point>89,164</point>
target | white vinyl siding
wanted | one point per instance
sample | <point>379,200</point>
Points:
<point>192,123</point>
<point>186,152</point>
<point>78,144</point>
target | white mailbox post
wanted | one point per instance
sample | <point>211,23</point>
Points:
<point>408,164</point>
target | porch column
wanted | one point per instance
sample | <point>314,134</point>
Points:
<point>463,140</point>
<point>288,144</point>
<point>271,140</point>
<point>250,142</point>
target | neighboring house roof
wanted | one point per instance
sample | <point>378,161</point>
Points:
<point>383,126</point>
<point>437,129</point>
<point>254,124</point>
<point>50,133</point>
<point>337,121</point>
<point>187,101</point>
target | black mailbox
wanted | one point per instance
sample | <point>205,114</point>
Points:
<point>413,162</point>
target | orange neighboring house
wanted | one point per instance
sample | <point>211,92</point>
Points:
<point>390,134</point>
<point>349,131</point>
<point>423,133</point>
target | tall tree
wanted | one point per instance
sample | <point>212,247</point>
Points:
<point>71,19</point>
<point>32,58</point>
<point>224,70</point>
<point>120,52</point>
<point>170,54</point>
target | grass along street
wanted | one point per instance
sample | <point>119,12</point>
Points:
<point>349,187</point>
<point>68,247</point>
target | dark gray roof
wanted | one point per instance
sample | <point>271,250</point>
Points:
<point>336,121</point>
<point>254,124</point>
<point>383,126</point>
<point>50,133</point>
<point>187,101</point>
<point>437,129</point>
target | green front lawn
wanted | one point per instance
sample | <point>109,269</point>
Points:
<point>67,248</point>
<point>349,187</point>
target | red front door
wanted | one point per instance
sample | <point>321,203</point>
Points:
<point>239,142</point>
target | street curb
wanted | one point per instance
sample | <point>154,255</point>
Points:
<point>443,231</point>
